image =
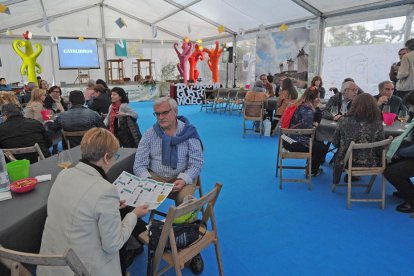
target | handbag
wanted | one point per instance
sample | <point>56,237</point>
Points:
<point>185,233</point>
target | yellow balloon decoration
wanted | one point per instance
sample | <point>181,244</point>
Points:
<point>29,57</point>
<point>283,28</point>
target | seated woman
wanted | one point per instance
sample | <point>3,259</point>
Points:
<point>54,100</point>
<point>400,170</point>
<point>362,124</point>
<point>287,96</point>
<point>83,211</point>
<point>303,118</point>
<point>35,105</point>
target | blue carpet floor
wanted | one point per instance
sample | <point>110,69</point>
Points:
<point>265,231</point>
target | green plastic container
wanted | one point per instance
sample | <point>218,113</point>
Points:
<point>18,169</point>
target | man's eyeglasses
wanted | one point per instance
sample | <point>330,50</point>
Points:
<point>164,113</point>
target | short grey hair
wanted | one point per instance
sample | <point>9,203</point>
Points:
<point>381,84</point>
<point>259,86</point>
<point>410,44</point>
<point>171,102</point>
<point>346,84</point>
<point>91,83</point>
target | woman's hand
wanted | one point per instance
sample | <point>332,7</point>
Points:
<point>122,204</point>
<point>141,211</point>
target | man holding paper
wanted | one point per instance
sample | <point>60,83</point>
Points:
<point>171,151</point>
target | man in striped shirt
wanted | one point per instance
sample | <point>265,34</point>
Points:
<point>171,151</point>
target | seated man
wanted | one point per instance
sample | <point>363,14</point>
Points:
<point>386,97</point>
<point>170,151</point>
<point>4,86</point>
<point>77,118</point>
<point>341,100</point>
<point>18,132</point>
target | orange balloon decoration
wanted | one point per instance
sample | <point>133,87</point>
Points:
<point>197,55</point>
<point>214,58</point>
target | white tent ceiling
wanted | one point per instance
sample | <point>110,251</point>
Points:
<point>173,18</point>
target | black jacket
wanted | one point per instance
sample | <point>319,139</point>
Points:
<point>49,103</point>
<point>19,132</point>
<point>78,118</point>
<point>128,132</point>
<point>101,104</point>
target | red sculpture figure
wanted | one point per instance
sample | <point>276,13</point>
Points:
<point>197,55</point>
<point>214,57</point>
<point>187,47</point>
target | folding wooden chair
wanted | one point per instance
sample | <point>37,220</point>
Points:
<point>253,111</point>
<point>222,99</point>
<point>232,96</point>
<point>361,171</point>
<point>208,101</point>
<point>14,259</point>
<point>67,134</point>
<point>239,101</point>
<point>283,153</point>
<point>10,153</point>
<point>175,258</point>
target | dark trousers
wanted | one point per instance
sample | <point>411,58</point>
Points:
<point>398,173</point>
<point>318,152</point>
<point>138,229</point>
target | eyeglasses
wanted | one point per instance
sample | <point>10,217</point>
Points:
<point>164,113</point>
<point>116,156</point>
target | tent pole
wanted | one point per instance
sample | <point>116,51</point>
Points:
<point>319,46</point>
<point>234,60</point>
<point>105,56</point>
<point>408,24</point>
<point>52,56</point>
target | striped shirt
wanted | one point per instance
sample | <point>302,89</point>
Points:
<point>149,157</point>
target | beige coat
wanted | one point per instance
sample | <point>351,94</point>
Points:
<point>33,110</point>
<point>405,74</point>
<point>83,214</point>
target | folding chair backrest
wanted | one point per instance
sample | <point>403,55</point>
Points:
<point>14,259</point>
<point>168,233</point>
<point>67,134</point>
<point>241,95</point>
<point>232,94</point>
<point>10,153</point>
<point>384,144</point>
<point>253,110</point>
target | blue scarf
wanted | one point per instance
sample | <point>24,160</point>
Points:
<point>169,148</point>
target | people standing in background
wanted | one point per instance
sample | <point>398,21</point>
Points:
<point>103,83</point>
<point>89,91</point>
<point>4,86</point>
<point>317,81</point>
<point>27,94</point>
<point>405,73</point>
<point>396,65</point>
<point>36,105</point>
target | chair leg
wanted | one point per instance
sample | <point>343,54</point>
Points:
<point>309,174</point>
<point>218,257</point>
<point>349,190</point>
<point>382,192</point>
<point>277,162</point>
<point>281,174</point>
<point>371,182</point>
<point>244,127</point>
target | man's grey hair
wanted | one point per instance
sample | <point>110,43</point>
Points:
<point>259,86</point>
<point>410,44</point>
<point>171,102</point>
<point>381,84</point>
<point>91,83</point>
<point>346,84</point>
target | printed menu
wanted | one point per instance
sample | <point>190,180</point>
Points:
<point>138,191</point>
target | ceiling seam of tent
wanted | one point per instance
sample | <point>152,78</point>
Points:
<point>22,25</point>
<point>368,7</point>
<point>200,16</point>
<point>176,11</point>
<point>12,2</point>
<point>142,21</point>
<point>305,5</point>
